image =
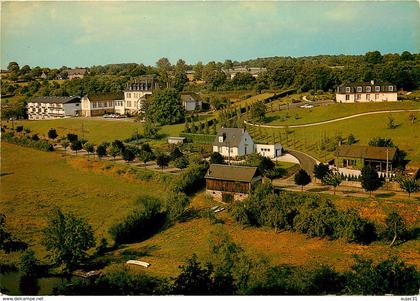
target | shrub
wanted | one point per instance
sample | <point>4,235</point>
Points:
<point>181,162</point>
<point>176,204</point>
<point>143,221</point>
<point>19,128</point>
<point>28,263</point>
<point>191,180</point>
<point>40,144</point>
<point>350,226</point>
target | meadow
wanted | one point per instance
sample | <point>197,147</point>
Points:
<point>93,129</point>
<point>406,135</point>
<point>297,116</point>
<point>33,182</point>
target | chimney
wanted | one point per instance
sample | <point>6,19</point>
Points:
<point>372,82</point>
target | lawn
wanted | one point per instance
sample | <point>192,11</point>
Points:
<point>167,250</point>
<point>94,130</point>
<point>297,116</point>
<point>406,136</point>
<point>33,182</point>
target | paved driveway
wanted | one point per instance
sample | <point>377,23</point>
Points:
<point>306,162</point>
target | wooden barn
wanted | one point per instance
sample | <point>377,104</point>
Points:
<point>229,182</point>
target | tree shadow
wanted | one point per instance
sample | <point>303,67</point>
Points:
<point>6,173</point>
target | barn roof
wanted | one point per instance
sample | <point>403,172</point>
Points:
<point>231,173</point>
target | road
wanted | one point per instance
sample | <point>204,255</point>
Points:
<point>306,161</point>
<point>329,121</point>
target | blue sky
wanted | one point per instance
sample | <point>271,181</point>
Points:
<point>54,34</point>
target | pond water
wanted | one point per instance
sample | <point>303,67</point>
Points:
<point>16,284</point>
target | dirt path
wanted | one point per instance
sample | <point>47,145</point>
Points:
<point>329,121</point>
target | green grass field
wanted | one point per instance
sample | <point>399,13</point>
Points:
<point>33,182</point>
<point>295,116</point>
<point>94,130</point>
<point>406,136</point>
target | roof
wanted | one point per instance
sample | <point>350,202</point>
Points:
<point>231,173</point>
<point>105,96</point>
<point>384,87</point>
<point>76,71</point>
<point>56,99</point>
<point>366,152</point>
<point>195,97</point>
<point>232,137</point>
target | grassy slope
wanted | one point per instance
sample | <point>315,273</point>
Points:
<point>33,182</point>
<point>95,130</point>
<point>406,136</point>
<point>329,112</point>
<point>169,249</point>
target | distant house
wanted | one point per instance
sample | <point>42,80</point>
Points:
<point>135,95</point>
<point>191,101</point>
<point>255,72</point>
<point>99,104</point>
<point>233,142</point>
<point>76,73</point>
<point>43,75</point>
<point>366,92</point>
<point>50,107</point>
<point>190,75</point>
<point>269,150</point>
<point>350,159</point>
<point>230,182</point>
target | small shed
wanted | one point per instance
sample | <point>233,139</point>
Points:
<point>176,140</point>
<point>269,150</point>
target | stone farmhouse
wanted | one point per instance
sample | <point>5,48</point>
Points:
<point>191,101</point>
<point>100,104</point>
<point>50,107</point>
<point>350,159</point>
<point>366,92</point>
<point>229,182</point>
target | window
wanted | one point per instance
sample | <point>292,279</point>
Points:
<point>99,104</point>
<point>368,89</point>
<point>377,88</point>
<point>367,96</point>
<point>391,88</point>
<point>128,103</point>
<point>93,104</point>
<point>77,104</point>
<point>376,96</point>
<point>347,97</point>
<point>347,89</point>
<point>358,96</point>
<point>359,89</point>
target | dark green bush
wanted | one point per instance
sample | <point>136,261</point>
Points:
<point>143,221</point>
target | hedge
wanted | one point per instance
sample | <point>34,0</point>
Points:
<point>40,144</point>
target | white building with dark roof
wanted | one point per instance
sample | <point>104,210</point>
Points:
<point>366,92</point>
<point>135,95</point>
<point>50,107</point>
<point>191,101</point>
<point>233,142</point>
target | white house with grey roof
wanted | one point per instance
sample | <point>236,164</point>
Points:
<point>233,142</point>
<point>50,107</point>
<point>366,92</point>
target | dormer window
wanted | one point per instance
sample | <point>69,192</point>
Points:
<point>377,88</point>
<point>221,138</point>
<point>391,88</point>
<point>347,89</point>
<point>359,89</point>
<point>368,89</point>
